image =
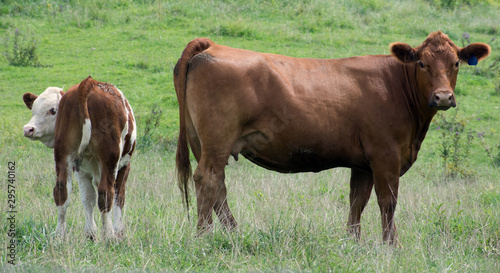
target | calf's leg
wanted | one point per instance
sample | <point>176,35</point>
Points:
<point>62,193</point>
<point>88,197</point>
<point>106,192</point>
<point>121,180</point>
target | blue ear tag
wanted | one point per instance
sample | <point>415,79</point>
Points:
<point>472,60</point>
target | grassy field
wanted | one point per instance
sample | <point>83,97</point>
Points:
<point>286,222</point>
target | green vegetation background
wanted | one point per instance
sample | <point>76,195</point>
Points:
<point>287,222</point>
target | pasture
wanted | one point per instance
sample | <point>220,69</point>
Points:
<point>448,214</point>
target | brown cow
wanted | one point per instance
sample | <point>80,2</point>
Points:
<point>92,130</point>
<point>368,113</point>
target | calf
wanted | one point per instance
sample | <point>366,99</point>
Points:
<point>93,132</point>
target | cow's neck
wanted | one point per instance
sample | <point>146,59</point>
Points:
<point>418,110</point>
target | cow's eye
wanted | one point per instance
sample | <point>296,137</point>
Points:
<point>421,64</point>
<point>52,111</point>
<point>457,64</point>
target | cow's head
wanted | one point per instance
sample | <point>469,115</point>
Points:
<point>436,62</point>
<point>44,110</point>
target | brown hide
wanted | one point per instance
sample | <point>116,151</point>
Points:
<point>368,113</point>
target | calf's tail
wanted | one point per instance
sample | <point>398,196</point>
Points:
<point>183,164</point>
<point>84,90</point>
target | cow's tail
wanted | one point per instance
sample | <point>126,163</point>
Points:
<point>183,165</point>
<point>84,90</point>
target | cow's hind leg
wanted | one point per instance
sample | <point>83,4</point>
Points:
<point>222,208</point>
<point>121,180</point>
<point>88,196</point>
<point>211,192</point>
<point>361,188</point>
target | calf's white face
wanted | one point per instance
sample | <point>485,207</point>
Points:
<point>44,111</point>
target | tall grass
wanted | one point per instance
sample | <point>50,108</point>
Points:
<point>286,222</point>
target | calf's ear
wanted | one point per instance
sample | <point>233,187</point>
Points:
<point>474,53</point>
<point>28,99</point>
<point>404,53</point>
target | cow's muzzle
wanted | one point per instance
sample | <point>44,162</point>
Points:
<point>442,100</point>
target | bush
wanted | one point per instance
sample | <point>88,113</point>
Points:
<point>492,152</point>
<point>455,145</point>
<point>20,49</point>
<point>152,122</point>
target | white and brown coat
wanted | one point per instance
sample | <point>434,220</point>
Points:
<point>92,130</point>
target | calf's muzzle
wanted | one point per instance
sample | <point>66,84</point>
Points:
<point>29,131</point>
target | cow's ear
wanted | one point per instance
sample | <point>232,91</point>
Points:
<point>474,53</point>
<point>403,52</point>
<point>28,99</point>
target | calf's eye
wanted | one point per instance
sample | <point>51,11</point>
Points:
<point>457,64</point>
<point>421,64</point>
<point>52,111</point>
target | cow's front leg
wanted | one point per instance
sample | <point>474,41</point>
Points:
<point>386,181</point>
<point>62,194</point>
<point>361,188</point>
<point>88,196</point>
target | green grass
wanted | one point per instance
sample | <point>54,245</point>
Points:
<point>286,222</point>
